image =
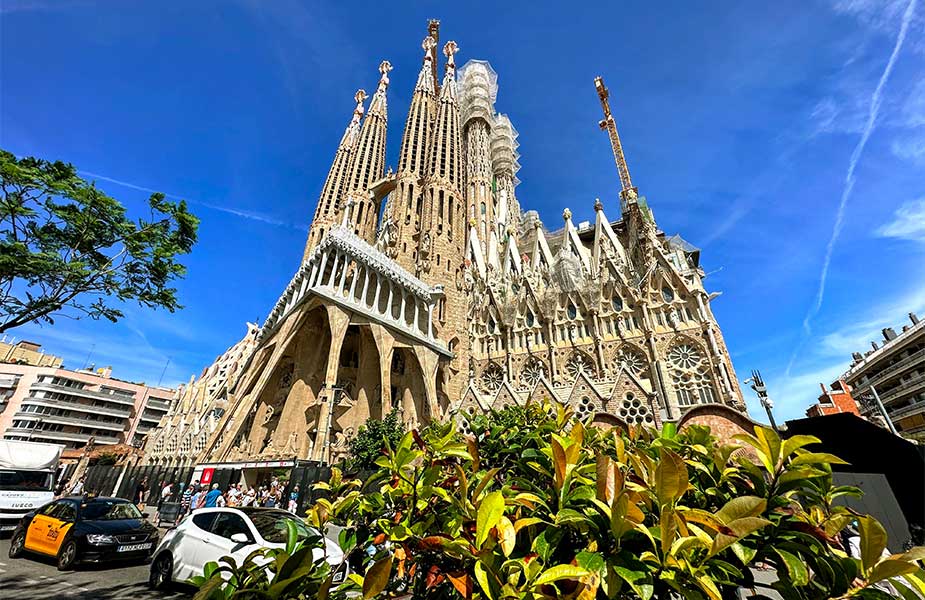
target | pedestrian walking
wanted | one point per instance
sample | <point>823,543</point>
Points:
<point>141,493</point>
<point>294,499</point>
<point>211,498</point>
<point>78,488</point>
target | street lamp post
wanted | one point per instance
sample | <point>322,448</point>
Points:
<point>757,384</point>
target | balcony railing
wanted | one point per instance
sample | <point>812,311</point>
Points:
<point>60,435</point>
<point>907,410</point>
<point>115,398</point>
<point>884,374</point>
<point>65,420</point>
<point>155,404</point>
<point>916,382</point>
<point>122,413</point>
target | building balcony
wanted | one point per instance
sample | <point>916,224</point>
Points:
<point>911,360</point>
<point>905,411</point>
<point>60,435</point>
<point>122,413</point>
<point>67,420</point>
<point>82,393</point>
<point>915,384</point>
<point>157,404</point>
<point>8,381</point>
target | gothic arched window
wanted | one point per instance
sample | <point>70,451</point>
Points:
<point>690,375</point>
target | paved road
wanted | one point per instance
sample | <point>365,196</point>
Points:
<point>37,577</point>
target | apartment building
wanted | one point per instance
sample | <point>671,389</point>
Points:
<point>56,405</point>
<point>895,368</point>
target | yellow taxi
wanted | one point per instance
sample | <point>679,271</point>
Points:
<point>80,529</point>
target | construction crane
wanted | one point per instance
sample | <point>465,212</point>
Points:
<point>628,193</point>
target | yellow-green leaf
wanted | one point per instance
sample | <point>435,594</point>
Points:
<point>559,461</point>
<point>526,522</point>
<point>670,477</point>
<point>707,585</point>
<point>891,567</point>
<point>815,458</point>
<point>743,506</point>
<point>558,573</point>
<point>795,442</point>
<point>605,481</point>
<point>797,570</point>
<point>507,535</point>
<point>482,577</point>
<point>872,542</point>
<point>377,577</point>
<point>491,509</point>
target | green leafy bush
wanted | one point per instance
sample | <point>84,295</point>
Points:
<point>373,438</point>
<point>538,505</point>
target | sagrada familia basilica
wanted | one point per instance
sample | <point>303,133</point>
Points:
<point>428,289</point>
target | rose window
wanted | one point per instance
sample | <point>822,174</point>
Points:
<point>492,378</point>
<point>584,409</point>
<point>533,372</point>
<point>579,363</point>
<point>633,360</point>
<point>684,356</point>
<point>634,411</point>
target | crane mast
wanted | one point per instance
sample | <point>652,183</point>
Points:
<point>628,192</point>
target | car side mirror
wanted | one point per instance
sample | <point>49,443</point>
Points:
<point>240,538</point>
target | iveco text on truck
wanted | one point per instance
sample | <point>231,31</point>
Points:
<point>27,478</point>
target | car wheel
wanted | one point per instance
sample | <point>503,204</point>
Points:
<point>67,556</point>
<point>161,572</point>
<point>17,545</point>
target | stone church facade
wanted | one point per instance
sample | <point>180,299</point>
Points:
<point>429,290</point>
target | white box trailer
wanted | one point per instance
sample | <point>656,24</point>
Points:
<point>27,478</point>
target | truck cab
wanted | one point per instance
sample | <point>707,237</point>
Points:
<point>27,478</point>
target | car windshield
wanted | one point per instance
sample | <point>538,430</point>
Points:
<point>25,481</point>
<point>271,525</point>
<point>109,510</point>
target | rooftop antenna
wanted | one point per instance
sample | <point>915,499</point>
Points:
<point>628,193</point>
<point>161,378</point>
<point>89,354</point>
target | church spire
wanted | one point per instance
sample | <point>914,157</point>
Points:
<point>368,162</point>
<point>442,242</point>
<point>405,203</point>
<point>330,199</point>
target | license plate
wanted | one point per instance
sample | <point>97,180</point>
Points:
<point>7,527</point>
<point>134,547</point>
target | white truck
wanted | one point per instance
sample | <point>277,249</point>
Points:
<point>27,478</point>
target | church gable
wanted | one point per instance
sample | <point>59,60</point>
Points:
<point>542,392</point>
<point>583,398</point>
<point>471,400</point>
<point>505,397</point>
<point>631,402</point>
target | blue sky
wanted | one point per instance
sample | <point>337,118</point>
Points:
<point>740,122</point>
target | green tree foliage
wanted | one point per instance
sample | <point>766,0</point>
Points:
<point>68,249</point>
<point>589,514</point>
<point>372,439</point>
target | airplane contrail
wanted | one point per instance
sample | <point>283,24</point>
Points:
<point>875,101</point>
<point>253,216</point>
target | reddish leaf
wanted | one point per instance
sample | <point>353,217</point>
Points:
<point>462,582</point>
<point>379,539</point>
<point>417,438</point>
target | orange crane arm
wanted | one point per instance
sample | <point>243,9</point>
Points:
<point>628,191</point>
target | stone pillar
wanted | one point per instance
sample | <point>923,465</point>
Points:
<point>365,284</point>
<point>385,343</point>
<point>401,311</point>
<point>378,292</point>
<point>353,282</point>
<point>330,282</point>
<point>430,320</point>
<point>338,320</point>
<point>343,275</point>
<point>428,361</point>
<point>324,262</point>
<point>417,306</point>
<point>388,304</point>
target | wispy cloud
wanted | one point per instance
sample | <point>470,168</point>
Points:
<point>830,353</point>
<point>908,222</point>
<point>874,110</point>
<point>244,214</point>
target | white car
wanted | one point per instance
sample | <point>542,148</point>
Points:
<point>211,533</point>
